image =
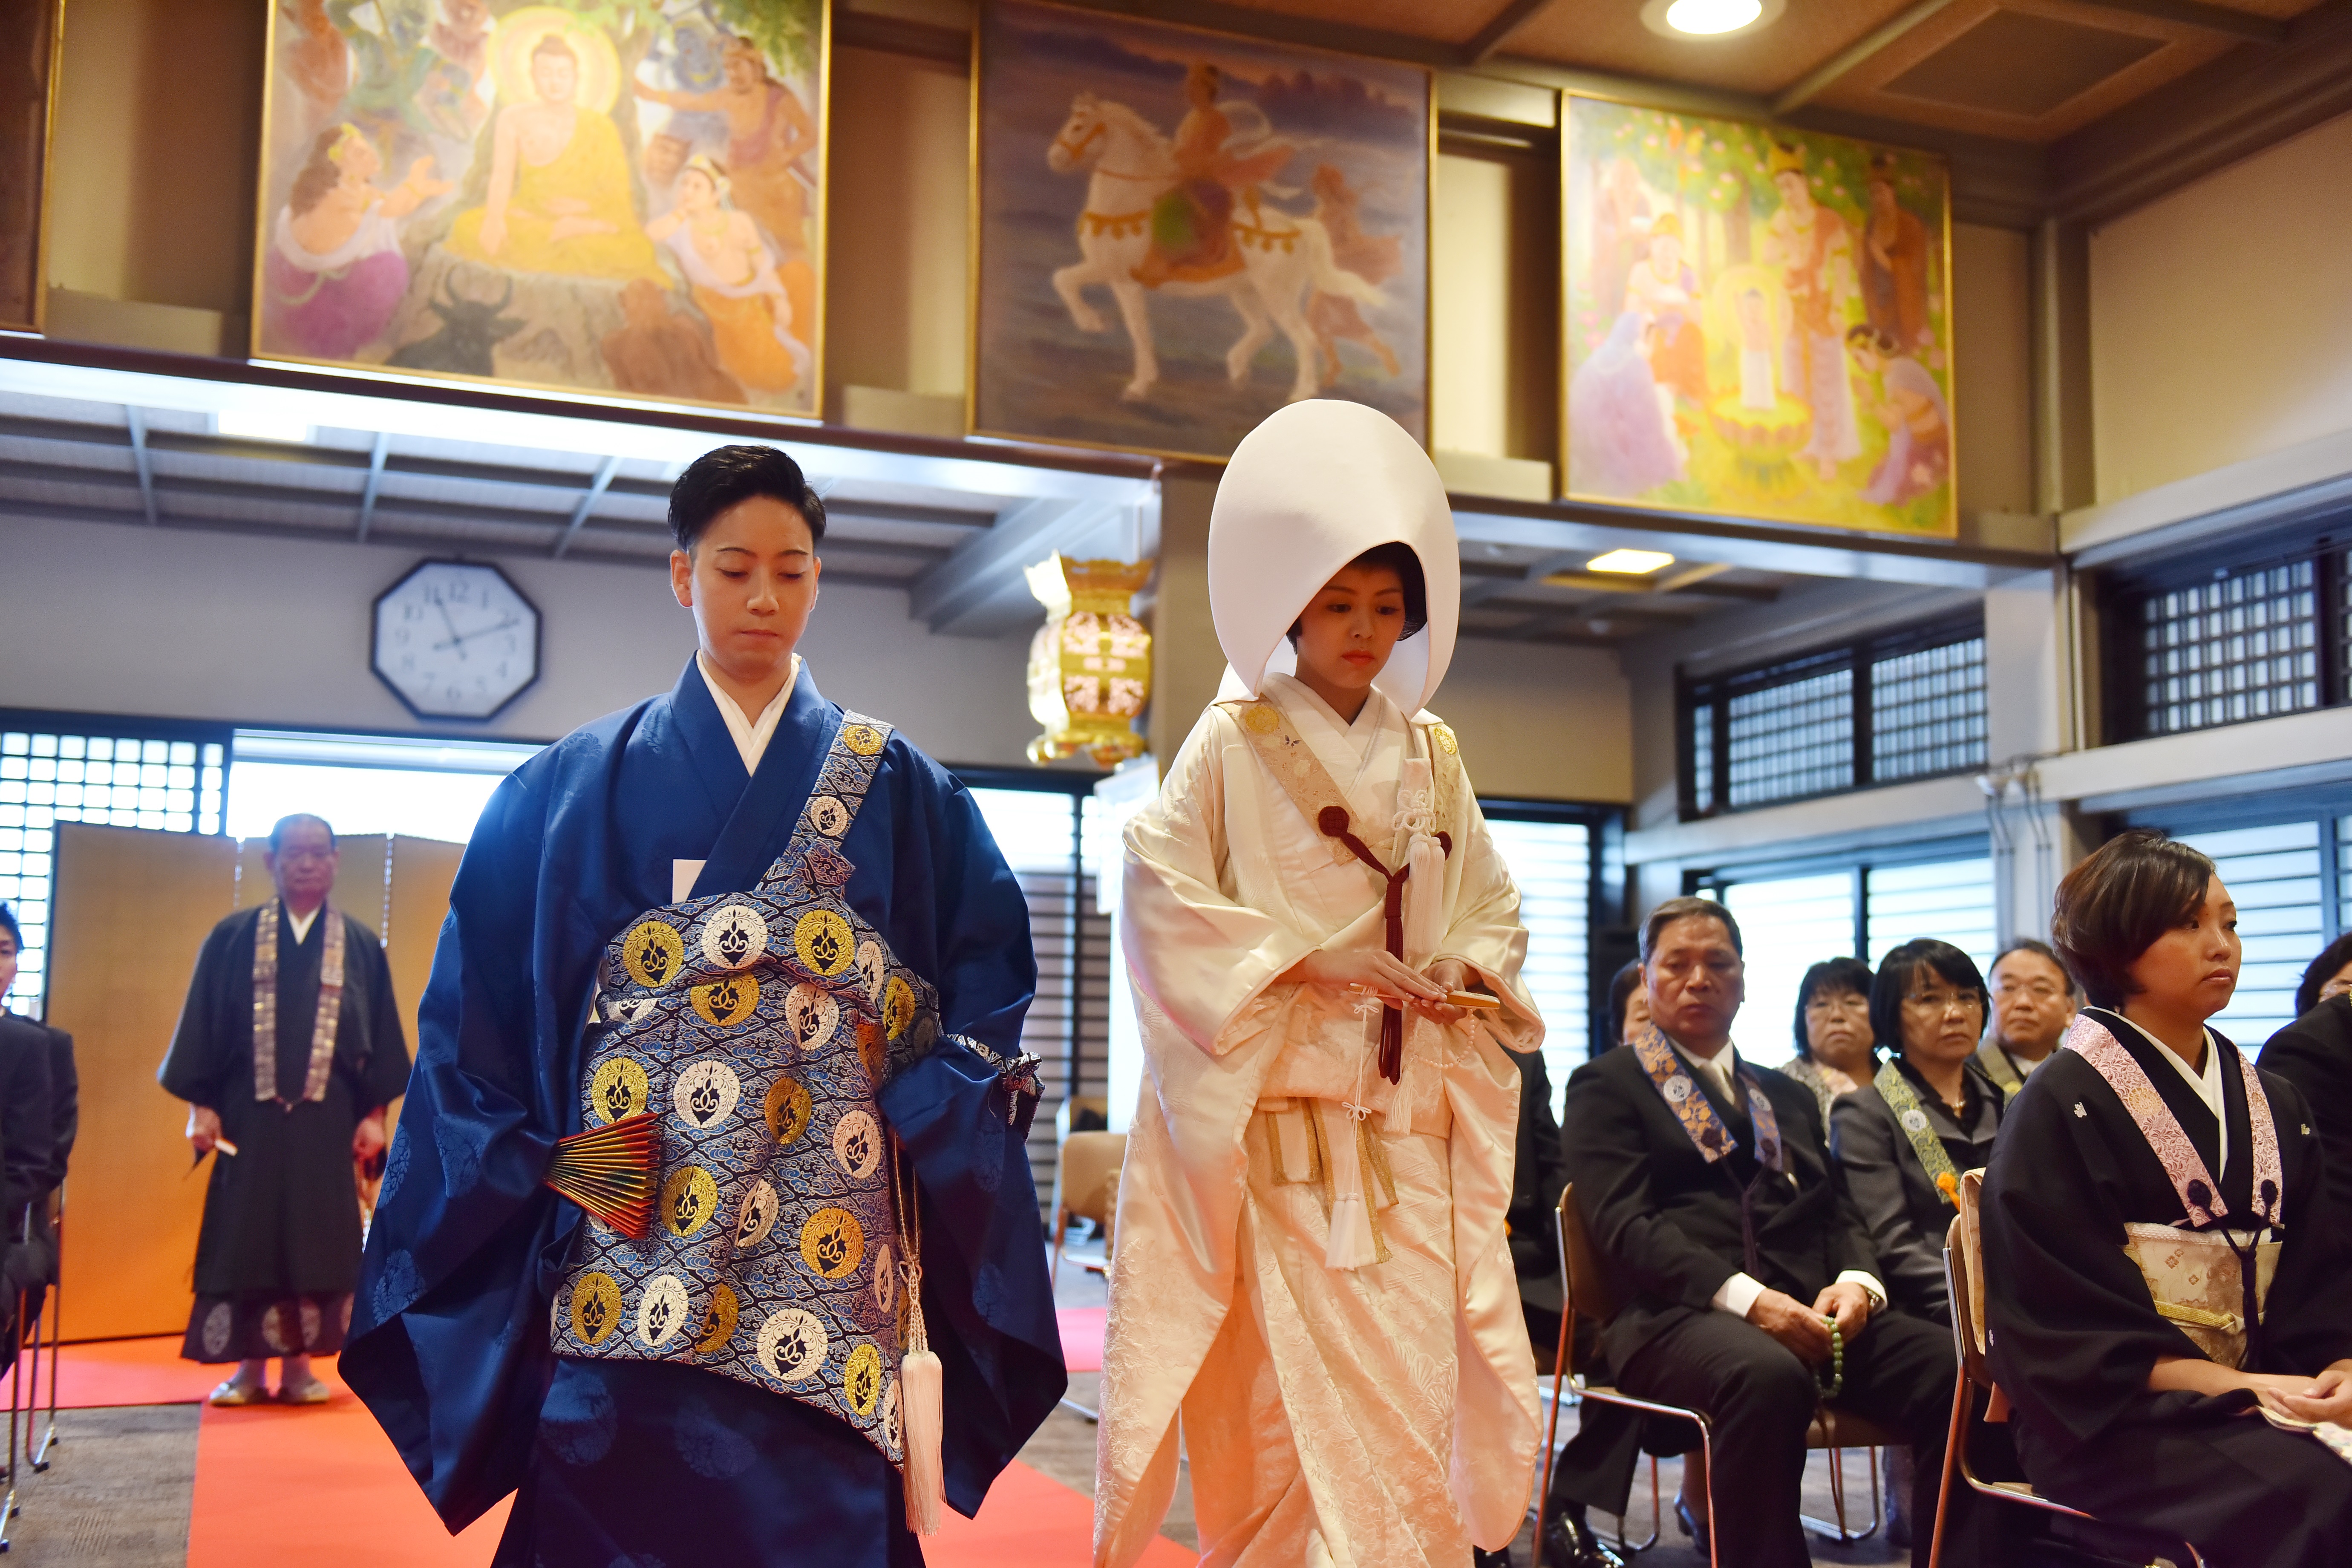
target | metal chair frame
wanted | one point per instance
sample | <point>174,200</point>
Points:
<point>1964,1274</point>
<point>1578,1267</point>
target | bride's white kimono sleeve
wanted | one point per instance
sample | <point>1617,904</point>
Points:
<point>1227,885</point>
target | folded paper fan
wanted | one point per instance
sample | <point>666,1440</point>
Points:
<point>609,1171</point>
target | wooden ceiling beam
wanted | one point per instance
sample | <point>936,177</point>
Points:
<point>1838,65</point>
<point>1514,14</point>
<point>2204,18</point>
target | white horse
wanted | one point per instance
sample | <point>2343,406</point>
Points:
<point>1132,167</point>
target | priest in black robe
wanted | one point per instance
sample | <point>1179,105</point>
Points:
<point>287,1097</point>
<point>2118,1410</point>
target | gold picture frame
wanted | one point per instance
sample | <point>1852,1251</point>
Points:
<point>1755,321</point>
<point>29,102</point>
<point>459,254</point>
<point>1037,371</point>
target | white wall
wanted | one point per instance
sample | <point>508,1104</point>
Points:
<point>108,619</point>
<point>2222,317</point>
<point>1540,722</point>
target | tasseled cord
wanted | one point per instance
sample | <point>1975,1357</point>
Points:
<point>922,1393</point>
<point>1425,890</point>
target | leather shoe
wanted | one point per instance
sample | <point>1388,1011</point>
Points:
<point>1696,1530</point>
<point>1482,1558</point>
<point>1569,1543</point>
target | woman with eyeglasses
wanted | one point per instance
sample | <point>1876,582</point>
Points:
<point>2165,1281</point>
<point>1834,1051</point>
<point>1927,1114</point>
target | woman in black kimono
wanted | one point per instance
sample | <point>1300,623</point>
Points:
<point>2150,1387</point>
<point>1929,1114</point>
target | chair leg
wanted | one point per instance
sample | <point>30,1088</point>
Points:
<point>1657,1516</point>
<point>1952,1441</point>
<point>1061,1229</point>
<point>1551,1434</point>
<point>56,1320</point>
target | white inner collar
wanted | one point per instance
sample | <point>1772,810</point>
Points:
<point>751,735</point>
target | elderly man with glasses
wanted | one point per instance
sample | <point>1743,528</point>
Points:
<point>2033,1000</point>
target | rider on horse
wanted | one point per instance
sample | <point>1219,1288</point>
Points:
<point>1191,225</point>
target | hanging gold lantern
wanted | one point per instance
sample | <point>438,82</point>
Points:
<point>1090,663</point>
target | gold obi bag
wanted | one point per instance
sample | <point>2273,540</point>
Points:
<point>2198,1282</point>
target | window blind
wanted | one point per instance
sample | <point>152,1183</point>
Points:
<point>1552,864</point>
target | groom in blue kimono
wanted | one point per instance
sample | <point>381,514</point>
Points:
<point>719,1104</point>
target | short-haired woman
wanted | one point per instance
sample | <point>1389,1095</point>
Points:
<point>1928,1113</point>
<point>1629,1004</point>
<point>1836,1055</point>
<point>2143,1177</point>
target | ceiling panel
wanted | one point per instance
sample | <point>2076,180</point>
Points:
<point>1608,35</point>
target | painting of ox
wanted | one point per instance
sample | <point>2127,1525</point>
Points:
<point>606,196</point>
<point>1178,232</point>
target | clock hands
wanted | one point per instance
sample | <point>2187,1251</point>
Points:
<point>457,639</point>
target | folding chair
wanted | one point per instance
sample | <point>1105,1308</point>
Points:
<point>1964,1270</point>
<point>54,1318</point>
<point>1584,1288</point>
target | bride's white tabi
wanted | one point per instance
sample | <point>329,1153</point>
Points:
<point>1312,1260</point>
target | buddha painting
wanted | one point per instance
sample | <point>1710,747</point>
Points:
<point>559,197</point>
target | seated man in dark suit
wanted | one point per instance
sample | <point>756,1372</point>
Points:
<point>27,1119</point>
<point>1748,1286</point>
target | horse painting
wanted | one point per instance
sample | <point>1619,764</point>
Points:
<point>1286,258</point>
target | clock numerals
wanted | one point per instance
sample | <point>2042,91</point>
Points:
<point>456,639</point>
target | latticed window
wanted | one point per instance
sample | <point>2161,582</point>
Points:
<point>1905,706</point>
<point>2221,638</point>
<point>117,773</point>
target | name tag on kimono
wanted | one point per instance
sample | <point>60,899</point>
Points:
<point>682,874</point>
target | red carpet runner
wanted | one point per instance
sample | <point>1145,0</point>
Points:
<point>322,1484</point>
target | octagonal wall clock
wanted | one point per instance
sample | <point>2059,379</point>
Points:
<point>455,640</point>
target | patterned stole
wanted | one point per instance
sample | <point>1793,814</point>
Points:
<point>2238,1344</point>
<point>2199,1194</point>
<point>1709,1135</point>
<point>1912,1117</point>
<point>1311,788</point>
<point>265,1006</point>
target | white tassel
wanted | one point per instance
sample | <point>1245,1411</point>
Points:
<point>1352,1244</point>
<point>921,1395</point>
<point>1425,890</point>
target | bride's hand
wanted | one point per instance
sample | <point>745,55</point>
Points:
<point>1368,969</point>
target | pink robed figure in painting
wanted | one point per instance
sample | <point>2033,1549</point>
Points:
<point>334,268</point>
<point>1312,1269</point>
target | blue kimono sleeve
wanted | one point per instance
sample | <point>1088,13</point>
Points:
<point>987,1296</point>
<point>448,1342</point>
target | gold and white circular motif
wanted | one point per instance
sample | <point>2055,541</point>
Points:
<point>833,1242</point>
<point>863,739</point>
<point>662,1310</point>
<point>862,1378</point>
<point>595,1307</point>
<point>890,1414</point>
<point>823,941</point>
<point>689,1199</point>
<point>788,1110</point>
<point>793,1346</point>
<point>723,1004</point>
<point>718,1320</point>
<point>706,1093</point>
<point>1444,735</point>
<point>873,965</point>
<point>813,1014</point>
<point>652,952</point>
<point>828,816</point>
<point>897,1006</point>
<point>1260,719</point>
<point>618,1090</point>
<point>756,1216</point>
<point>886,1279</point>
<point>857,1144</point>
<point>734,935</point>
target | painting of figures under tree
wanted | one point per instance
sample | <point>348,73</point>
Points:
<point>1759,321</point>
<point>616,197</point>
<point>1179,232</point>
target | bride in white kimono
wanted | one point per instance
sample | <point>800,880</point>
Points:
<point>1312,1267</point>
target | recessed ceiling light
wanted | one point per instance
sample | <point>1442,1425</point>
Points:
<point>1689,19</point>
<point>251,425</point>
<point>1631,562</point>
